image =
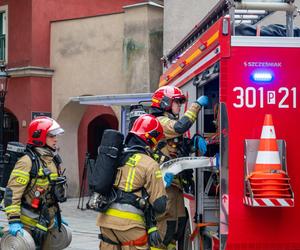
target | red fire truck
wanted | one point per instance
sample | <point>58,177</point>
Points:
<point>246,76</point>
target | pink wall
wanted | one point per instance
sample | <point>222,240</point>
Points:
<point>29,23</point>
<point>19,33</point>
<point>25,95</point>
<point>29,45</point>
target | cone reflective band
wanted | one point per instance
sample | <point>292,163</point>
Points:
<point>268,155</point>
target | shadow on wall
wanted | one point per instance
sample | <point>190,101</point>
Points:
<point>93,123</point>
<point>69,119</point>
<point>10,128</point>
<point>95,131</point>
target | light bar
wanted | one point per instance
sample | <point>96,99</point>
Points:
<point>262,76</point>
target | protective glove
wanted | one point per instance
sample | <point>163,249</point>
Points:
<point>168,178</point>
<point>202,101</point>
<point>63,221</point>
<point>217,160</point>
<point>154,237</point>
<point>16,227</point>
<point>200,144</point>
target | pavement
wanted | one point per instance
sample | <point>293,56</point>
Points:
<point>82,222</point>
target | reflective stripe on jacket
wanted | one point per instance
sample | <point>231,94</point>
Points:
<point>140,171</point>
<point>175,128</point>
<point>22,188</point>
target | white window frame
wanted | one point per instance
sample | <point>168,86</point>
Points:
<point>4,9</point>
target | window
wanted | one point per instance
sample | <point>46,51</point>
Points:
<point>3,33</point>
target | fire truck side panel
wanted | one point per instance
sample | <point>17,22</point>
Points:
<point>247,100</point>
<point>191,61</point>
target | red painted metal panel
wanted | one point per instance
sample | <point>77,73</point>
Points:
<point>247,102</point>
<point>198,70</point>
<point>217,27</point>
<point>222,41</point>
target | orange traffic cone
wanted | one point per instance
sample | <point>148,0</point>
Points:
<point>268,155</point>
<point>268,179</point>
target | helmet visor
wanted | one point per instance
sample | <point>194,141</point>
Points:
<point>55,132</point>
<point>180,99</point>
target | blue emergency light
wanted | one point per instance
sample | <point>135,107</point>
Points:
<point>262,76</point>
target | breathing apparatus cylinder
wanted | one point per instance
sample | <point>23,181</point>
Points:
<point>14,151</point>
<point>103,174</point>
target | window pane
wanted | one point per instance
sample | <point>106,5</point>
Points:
<point>1,23</point>
<point>2,36</point>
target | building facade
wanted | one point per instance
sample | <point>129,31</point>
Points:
<point>56,50</point>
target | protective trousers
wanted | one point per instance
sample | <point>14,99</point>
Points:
<point>131,239</point>
<point>170,225</point>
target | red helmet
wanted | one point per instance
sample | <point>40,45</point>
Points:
<point>148,128</point>
<point>164,97</point>
<point>40,127</point>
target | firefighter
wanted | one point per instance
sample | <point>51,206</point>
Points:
<point>166,104</point>
<point>123,225</point>
<point>33,192</point>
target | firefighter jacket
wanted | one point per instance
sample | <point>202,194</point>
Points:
<point>23,190</point>
<point>140,171</point>
<point>174,128</point>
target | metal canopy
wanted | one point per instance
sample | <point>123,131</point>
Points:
<point>114,99</point>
